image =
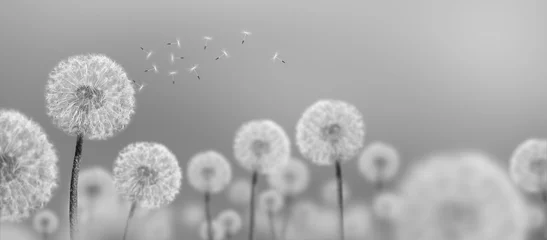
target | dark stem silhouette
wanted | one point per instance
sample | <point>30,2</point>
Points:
<point>208,216</point>
<point>254,181</point>
<point>73,205</point>
<point>129,217</point>
<point>340,190</point>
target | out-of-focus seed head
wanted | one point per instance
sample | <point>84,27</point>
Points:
<point>329,131</point>
<point>271,201</point>
<point>460,196</point>
<point>262,146</point>
<point>90,94</point>
<point>94,185</point>
<point>291,179</point>
<point>357,222</point>
<point>386,205</point>
<point>147,173</point>
<point>230,220</point>
<point>379,162</point>
<point>217,229</point>
<point>329,192</point>
<point>239,191</point>
<point>528,165</point>
<point>45,221</point>
<point>28,166</point>
<point>209,171</point>
<point>193,214</point>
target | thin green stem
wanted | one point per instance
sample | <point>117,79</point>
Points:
<point>254,181</point>
<point>340,189</point>
<point>73,205</point>
<point>208,216</point>
<point>129,217</point>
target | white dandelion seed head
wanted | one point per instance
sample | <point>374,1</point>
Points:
<point>239,192</point>
<point>379,162</point>
<point>291,179</point>
<point>45,221</point>
<point>230,220</point>
<point>460,196</point>
<point>262,146</point>
<point>357,222</point>
<point>209,171</point>
<point>147,173</point>
<point>94,185</point>
<point>28,166</point>
<point>536,217</point>
<point>528,165</point>
<point>90,94</point>
<point>270,201</point>
<point>386,205</point>
<point>329,192</point>
<point>329,131</point>
<point>193,214</point>
<point>217,230</point>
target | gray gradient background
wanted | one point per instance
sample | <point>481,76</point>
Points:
<point>427,75</point>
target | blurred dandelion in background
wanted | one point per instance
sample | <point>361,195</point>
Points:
<point>45,223</point>
<point>214,227</point>
<point>379,163</point>
<point>209,173</point>
<point>193,213</point>
<point>231,221</point>
<point>239,192</point>
<point>331,132</point>
<point>88,96</point>
<point>147,174</point>
<point>461,195</point>
<point>271,202</point>
<point>95,188</point>
<point>28,166</point>
<point>260,146</point>
<point>528,166</point>
<point>385,205</point>
<point>329,192</point>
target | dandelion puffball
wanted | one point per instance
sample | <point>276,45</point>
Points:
<point>209,171</point>
<point>291,179</point>
<point>45,221</point>
<point>270,201</point>
<point>95,184</point>
<point>528,165</point>
<point>261,146</point>
<point>193,214</point>
<point>379,162</point>
<point>239,192</point>
<point>90,95</point>
<point>329,131</point>
<point>28,166</point>
<point>460,196</point>
<point>386,205</point>
<point>147,173</point>
<point>217,230</point>
<point>230,220</point>
<point>328,192</point>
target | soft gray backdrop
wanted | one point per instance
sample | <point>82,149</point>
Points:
<point>427,75</point>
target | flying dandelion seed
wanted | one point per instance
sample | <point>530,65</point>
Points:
<point>271,202</point>
<point>172,74</point>
<point>148,53</point>
<point>239,192</point>
<point>95,186</point>
<point>88,96</point>
<point>45,223</point>
<point>194,69</point>
<point>154,69</point>
<point>193,214</point>
<point>276,57</point>
<point>329,192</point>
<point>148,174</point>
<point>528,166</point>
<point>207,39</point>
<point>245,34</point>
<point>209,172</point>
<point>224,54</point>
<point>260,146</point>
<point>331,132</point>
<point>379,163</point>
<point>231,221</point>
<point>28,166</point>
<point>386,205</point>
<point>215,227</point>
<point>460,196</point>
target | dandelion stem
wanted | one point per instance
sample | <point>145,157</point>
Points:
<point>208,217</point>
<point>73,205</point>
<point>340,190</point>
<point>272,225</point>
<point>254,181</point>
<point>129,217</point>
<point>288,205</point>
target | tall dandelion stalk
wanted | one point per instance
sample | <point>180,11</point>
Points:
<point>331,132</point>
<point>28,167</point>
<point>88,96</point>
<point>209,172</point>
<point>260,146</point>
<point>146,174</point>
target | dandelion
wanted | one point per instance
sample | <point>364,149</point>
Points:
<point>245,34</point>
<point>207,39</point>
<point>148,52</point>
<point>209,172</point>
<point>291,179</point>
<point>386,205</point>
<point>276,57</point>
<point>148,174</point>
<point>28,166</point>
<point>239,192</point>
<point>231,221</point>
<point>379,163</point>
<point>330,189</point>
<point>95,185</point>
<point>271,202</point>
<point>215,228</point>
<point>194,69</point>
<point>528,166</point>
<point>224,54</point>
<point>331,132</point>
<point>88,96</point>
<point>260,146</point>
<point>45,223</point>
<point>460,196</point>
